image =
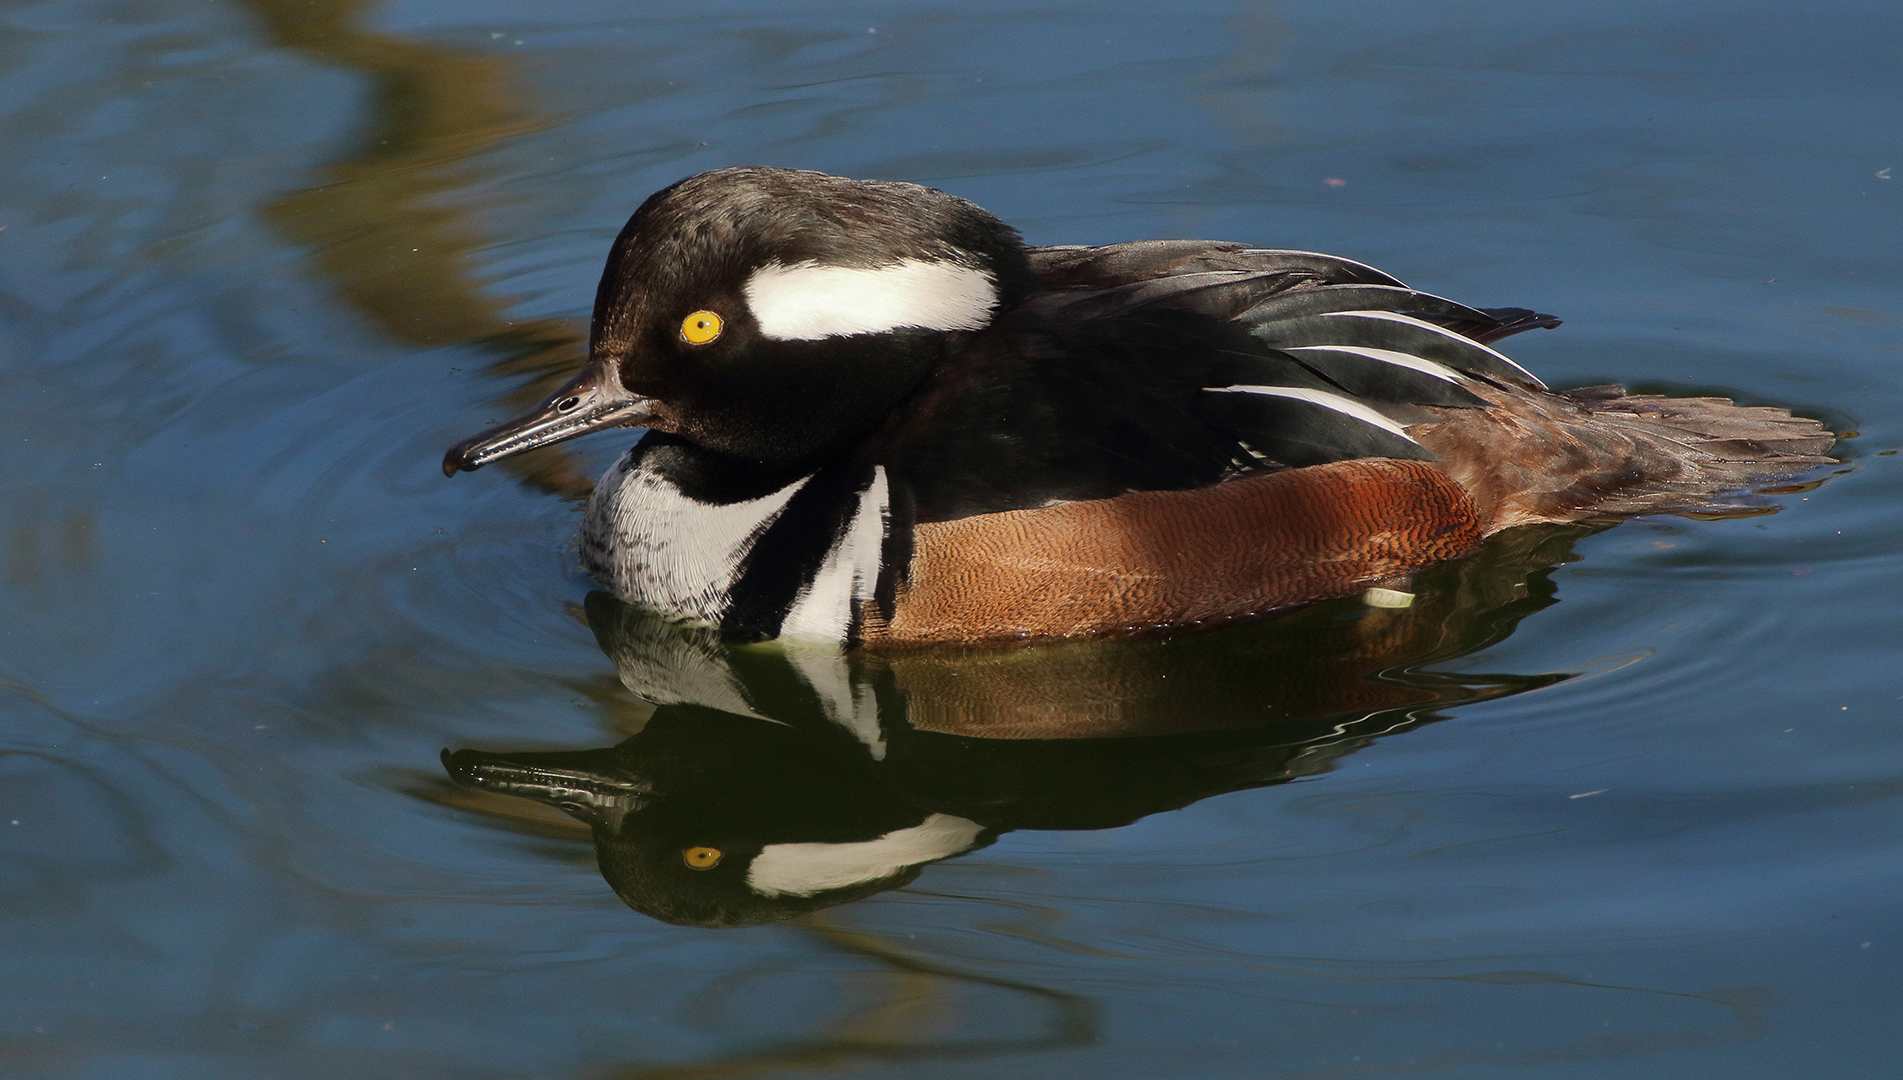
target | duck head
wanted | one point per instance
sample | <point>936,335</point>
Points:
<point>774,315</point>
<point>706,818</point>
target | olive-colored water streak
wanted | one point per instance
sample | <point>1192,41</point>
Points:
<point>915,1007</point>
<point>379,224</point>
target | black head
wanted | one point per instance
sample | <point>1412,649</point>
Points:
<point>711,819</point>
<point>775,315</point>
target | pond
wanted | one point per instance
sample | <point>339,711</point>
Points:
<point>1619,802</point>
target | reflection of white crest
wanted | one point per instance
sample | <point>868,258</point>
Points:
<point>806,869</point>
<point>807,301</point>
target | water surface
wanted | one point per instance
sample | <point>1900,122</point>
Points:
<point>1635,813</point>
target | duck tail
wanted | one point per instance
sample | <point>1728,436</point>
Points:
<point>1601,454</point>
<point>1721,450</point>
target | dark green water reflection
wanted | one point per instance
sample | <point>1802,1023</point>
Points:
<point>1635,813</point>
<point>773,780</point>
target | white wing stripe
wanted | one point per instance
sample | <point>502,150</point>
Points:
<point>1388,356</point>
<point>1395,316</point>
<point>1326,400</point>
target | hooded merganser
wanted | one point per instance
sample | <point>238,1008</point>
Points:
<point>875,415</point>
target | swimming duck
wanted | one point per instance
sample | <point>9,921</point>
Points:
<point>874,414</point>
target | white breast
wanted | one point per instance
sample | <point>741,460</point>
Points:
<point>654,546</point>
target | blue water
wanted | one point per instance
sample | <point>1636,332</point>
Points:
<point>261,262</point>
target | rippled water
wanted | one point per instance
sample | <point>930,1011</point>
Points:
<point>1614,804</point>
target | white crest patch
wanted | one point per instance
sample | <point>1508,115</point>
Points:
<point>807,301</point>
<point>806,869</point>
<point>1345,406</point>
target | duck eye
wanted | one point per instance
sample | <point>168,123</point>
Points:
<point>700,328</point>
<point>701,858</point>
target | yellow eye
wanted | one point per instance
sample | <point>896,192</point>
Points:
<point>700,328</point>
<point>701,858</point>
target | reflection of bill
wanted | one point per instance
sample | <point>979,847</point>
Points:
<point>773,781</point>
<point>383,225</point>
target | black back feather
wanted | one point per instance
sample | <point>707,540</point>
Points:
<point>1151,366</point>
<point>1165,365</point>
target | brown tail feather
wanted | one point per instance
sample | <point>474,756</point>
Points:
<point>1600,454</point>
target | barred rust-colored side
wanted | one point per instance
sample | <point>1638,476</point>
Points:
<point>1180,558</point>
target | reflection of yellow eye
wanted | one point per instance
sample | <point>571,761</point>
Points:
<point>700,328</point>
<point>701,858</point>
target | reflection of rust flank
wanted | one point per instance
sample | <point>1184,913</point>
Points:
<point>918,1001</point>
<point>379,226</point>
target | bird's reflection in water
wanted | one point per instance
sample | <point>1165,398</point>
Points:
<point>772,780</point>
